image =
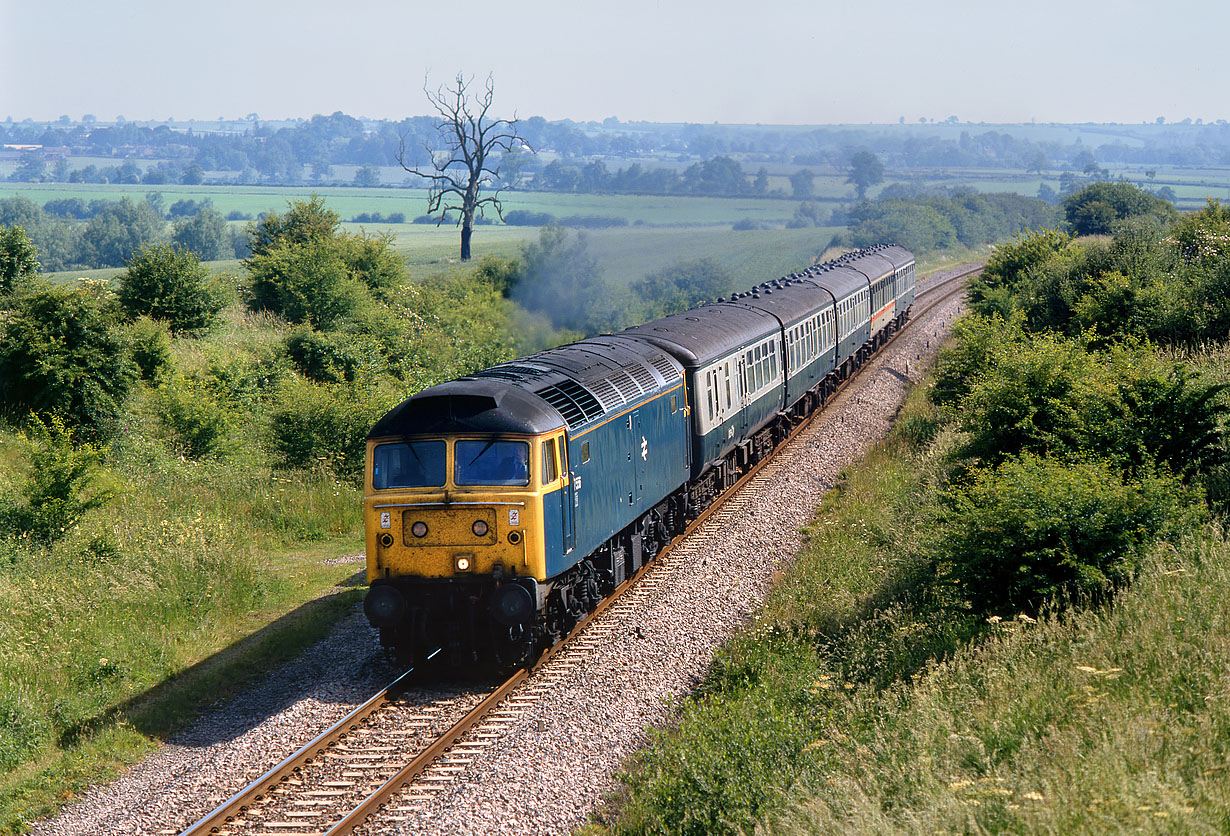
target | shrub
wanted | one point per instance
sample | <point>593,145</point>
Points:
<point>66,481</point>
<point>325,425</point>
<point>18,258</point>
<point>170,284</point>
<point>1095,209</point>
<point>307,282</point>
<point>198,423</point>
<point>1035,530</point>
<point>334,357</point>
<point>151,349</point>
<point>62,352</point>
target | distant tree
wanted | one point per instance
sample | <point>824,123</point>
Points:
<point>761,184</point>
<point>112,236</point>
<point>169,284</point>
<point>367,177</point>
<point>205,234</point>
<point>31,168</point>
<point>18,258</point>
<point>803,184</point>
<point>469,163</point>
<point>156,202</point>
<point>193,175</point>
<point>61,170</point>
<point>1095,209</point>
<point>866,170</point>
<point>1036,163</point>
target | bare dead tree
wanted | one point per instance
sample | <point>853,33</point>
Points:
<point>461,173</point>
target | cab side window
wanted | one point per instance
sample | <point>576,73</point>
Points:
<point>550,471</point>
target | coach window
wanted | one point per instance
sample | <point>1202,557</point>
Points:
<point>550,470</point>
<point>728,399</point>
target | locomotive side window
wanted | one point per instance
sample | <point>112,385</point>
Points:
<point>492,462</point>
<point>674,404</point>
<point>584,452</point>
<point>416,464</point>
<point>549,469</point>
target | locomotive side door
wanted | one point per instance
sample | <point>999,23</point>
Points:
<point>639,448</point>
<point>568,496</point>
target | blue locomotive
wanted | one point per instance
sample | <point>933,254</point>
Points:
<point>501,507</point>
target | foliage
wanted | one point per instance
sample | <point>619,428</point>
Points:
<point>170,284</point>
<point>682,286</point>
<point>18,258</point>
<point>1095,209</point>
<point>305,269</point>
<point>115,234</point>
<point>61,351</point>
<point>66,481</point>
<point>204,233</point>
<point>866,170</point>
<point>199,424</point>
<point>923,222</point>
<point>526,217</point>
<point>325,426</point>
<point>151,349</point>
<point>1034,530</point>
<point>304,221</point>
<point>335,357</point>
<point>57,241</point>
<point>305,282</point>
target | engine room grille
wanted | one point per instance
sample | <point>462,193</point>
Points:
<point>664,367</point>
<point>573,401</point>
<point>643,377</point>
<point>626,385</point>
<point>606,393</point>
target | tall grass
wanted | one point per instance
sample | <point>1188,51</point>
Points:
<point>870,698</point>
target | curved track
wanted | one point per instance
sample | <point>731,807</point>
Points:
<point>363,764</point>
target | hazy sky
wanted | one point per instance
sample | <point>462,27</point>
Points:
<point>770,61</point>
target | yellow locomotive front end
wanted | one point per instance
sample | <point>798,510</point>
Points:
<point>454,506</point>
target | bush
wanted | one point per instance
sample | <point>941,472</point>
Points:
<point>747,224</point>
<point>151,349</point>
<point>1095,209</point>
<point>335,357</point>
<point>171,285</point>
<point>199,425</point>
<point>325,426</point>
<point>66,481</point>
<point>305,282</point>
<point>1035,530</point>
<point>18,258</point>
<point>62,352</point>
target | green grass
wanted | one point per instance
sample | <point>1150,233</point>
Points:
<point>863,700</point>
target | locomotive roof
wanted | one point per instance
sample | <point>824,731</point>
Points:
<point>572,385</point>
<point>469,405</point>
<point>706,333</point>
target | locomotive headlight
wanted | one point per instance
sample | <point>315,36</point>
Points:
<point>462,563</point>
<point>419,529</point>
<point>479,528</point>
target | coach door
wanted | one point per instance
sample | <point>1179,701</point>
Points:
<point>639,450</point>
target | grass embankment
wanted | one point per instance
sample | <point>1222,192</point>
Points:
<point>197,577</point>
<point>866,700</point>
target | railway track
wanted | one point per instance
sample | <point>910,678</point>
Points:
<point>366,763</point>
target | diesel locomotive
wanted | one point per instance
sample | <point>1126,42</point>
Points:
<point>501,507</point>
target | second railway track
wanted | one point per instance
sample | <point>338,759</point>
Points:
<point>390,756</point>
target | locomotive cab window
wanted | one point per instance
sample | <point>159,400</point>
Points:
<point>492,462</point>
<point>550,470</point>
<point>414,464</point>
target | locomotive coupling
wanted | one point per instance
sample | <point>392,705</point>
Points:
<point>384,605</point>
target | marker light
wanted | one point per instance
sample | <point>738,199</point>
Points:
<point>463,564</point>
<point>479,528</point>
<point>419,529</point>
